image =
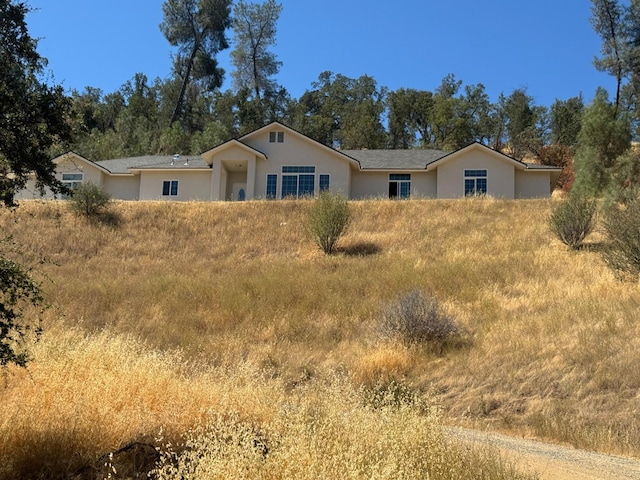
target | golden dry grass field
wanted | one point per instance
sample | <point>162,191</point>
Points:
<point>221,317</point>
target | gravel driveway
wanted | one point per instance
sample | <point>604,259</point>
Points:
<point>553,462</point>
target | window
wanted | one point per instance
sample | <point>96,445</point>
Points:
<point>276,136</point>
<point>170,188</point>
<point>324,182</point>
<point>298,181</point>
<point>399,185</point>
<point>71,181</point>
<point>272,186</point>
<point>475,182</point>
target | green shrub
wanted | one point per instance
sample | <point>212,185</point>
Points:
<point>573,219</point>
<point>328,219</point>
<point>622,226</point>
<point>418,318</point>
<point>89,199</point>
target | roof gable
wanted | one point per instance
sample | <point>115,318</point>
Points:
<point>78,159</point>
<point>209,154</point>
<point>277,126</point>
<point>474,147</point>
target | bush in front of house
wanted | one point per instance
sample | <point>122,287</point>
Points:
<point>89,200</point>
<point>418,318</point>
<point>621,223</point>
<point>573,220</point>
<point>328,220</point>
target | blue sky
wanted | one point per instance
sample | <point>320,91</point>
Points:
<point>547,46</point>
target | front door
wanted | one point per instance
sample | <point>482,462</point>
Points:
<point>239,192</point>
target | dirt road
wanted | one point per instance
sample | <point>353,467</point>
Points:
<point>553,462</point>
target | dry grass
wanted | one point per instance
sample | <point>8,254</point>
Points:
<point>555,335</point>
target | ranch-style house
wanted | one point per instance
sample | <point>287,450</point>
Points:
<point>276,162</point>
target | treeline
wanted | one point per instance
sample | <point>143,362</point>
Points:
<point>341,112</point>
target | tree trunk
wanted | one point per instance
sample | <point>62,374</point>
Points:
<point>185,81</point>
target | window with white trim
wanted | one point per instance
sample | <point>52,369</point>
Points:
<point>475,182</point>
<point>298,181</point>
<point>272,186</point>
<point>276,137</point>
<point>323,181</point>
<point>170,188</point>
<point>399,185</point>
<point>71,181</point>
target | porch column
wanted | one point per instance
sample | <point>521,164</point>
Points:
<point>216,180</point>
<point>251,178</point>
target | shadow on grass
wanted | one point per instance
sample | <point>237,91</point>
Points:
<point>360,249</point>
<point>596,247</point>
<point>107,218</point>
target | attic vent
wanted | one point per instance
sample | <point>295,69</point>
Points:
<point>176,157</point>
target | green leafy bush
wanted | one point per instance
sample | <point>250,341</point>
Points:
<point>416,317</point>
<point>622,226</point>
<point>573,220</point>
<point>328,220</point>
<point>90,199</point>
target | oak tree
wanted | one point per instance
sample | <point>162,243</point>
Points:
<point>33,114</point>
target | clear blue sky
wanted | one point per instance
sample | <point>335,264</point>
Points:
<point>547,46</point>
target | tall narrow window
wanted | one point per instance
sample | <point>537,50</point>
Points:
<point>280,137</point>
<point>170,188</point>
<point>323,182</point>
<point>272,186</point>
<point>399,185</point>
<point>272,137</point>
<point>475,182</point>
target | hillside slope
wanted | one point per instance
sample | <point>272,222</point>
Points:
<point>554,337</point>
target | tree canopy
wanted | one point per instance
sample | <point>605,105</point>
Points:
<point>33,114</point>
<point>198,29</point>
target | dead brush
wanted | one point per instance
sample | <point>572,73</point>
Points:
<point>418,318</point>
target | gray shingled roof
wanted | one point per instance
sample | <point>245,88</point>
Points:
<point>122,165</point>
<point>414,159</point>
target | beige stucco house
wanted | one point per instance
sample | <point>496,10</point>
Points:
<point>277,162</point>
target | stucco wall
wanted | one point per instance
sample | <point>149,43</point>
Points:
<point>67,165</point>
<point>500,174</point>
<point>192,185</point>
<point>296,151</point>
<point>123,187</point>
<point>532,184</point>
<point>72,165</point>
<point>376,184</point>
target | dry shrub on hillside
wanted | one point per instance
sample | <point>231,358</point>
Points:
<point>418,318</point>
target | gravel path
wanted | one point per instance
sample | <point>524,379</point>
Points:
<point>554,462</point>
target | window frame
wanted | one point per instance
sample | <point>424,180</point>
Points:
<point>271,195</point>
<point>475,182</point>
<point>170,188</point>
<point>305,176</point>
<point>402,183</point>
<point>276,136</point>
<point>71,183</point>
<point>322,187</point>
